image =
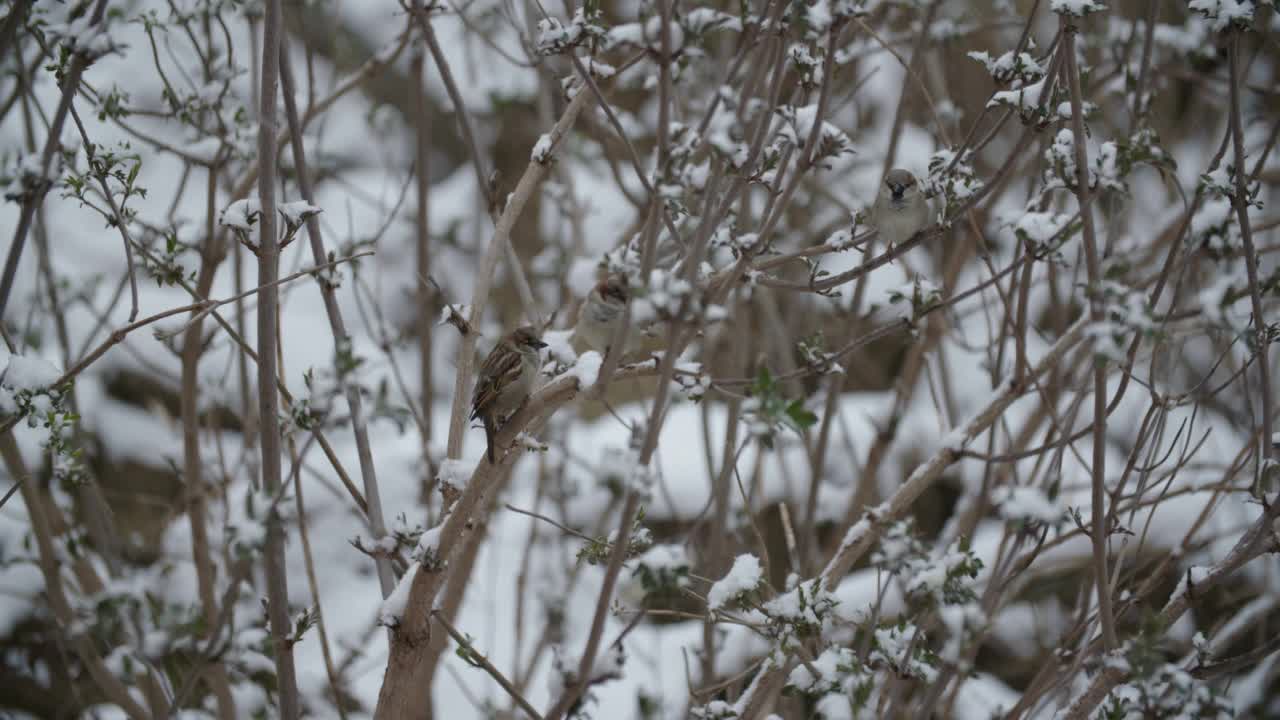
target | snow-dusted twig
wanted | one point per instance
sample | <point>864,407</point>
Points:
<point>118,336</point>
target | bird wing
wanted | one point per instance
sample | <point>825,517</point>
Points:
<point>499,371</point>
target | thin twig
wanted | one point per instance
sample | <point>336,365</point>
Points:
<point>1096,316</point>
<point>17,483</point>
<point>209,306</point>
<point>1240,200</point>
<point>563,528</point>
<point>309,564</point>
<point>422,229</point>
<point>476,658</point>
<point>268,400</point>
<point>120,222</point>
<point>337,326</point>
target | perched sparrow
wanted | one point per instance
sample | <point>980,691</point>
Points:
<point>601,313</point>
<point>901,209</point>
<point>506,380</point>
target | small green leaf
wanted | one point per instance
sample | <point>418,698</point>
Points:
<point>800,416</point>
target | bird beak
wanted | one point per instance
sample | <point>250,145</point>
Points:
<point>538,344</point>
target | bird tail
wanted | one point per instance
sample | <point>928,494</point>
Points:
<point>489,433</point>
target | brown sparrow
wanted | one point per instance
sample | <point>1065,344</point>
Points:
<point>901,209</point>
<point>601,313</point>
<point>505,380</point>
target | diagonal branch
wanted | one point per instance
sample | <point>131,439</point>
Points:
<point>478,659</point>
<point>400,696</point>
<point>337,326</point>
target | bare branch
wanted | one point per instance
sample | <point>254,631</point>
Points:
<point>268,328</point>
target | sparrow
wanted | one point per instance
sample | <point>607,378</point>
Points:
<point>505,380</point>
<point>901,209</point>
<point>601,313</point>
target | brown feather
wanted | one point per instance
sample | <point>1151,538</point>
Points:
<point>505,377</point>
<point>498,370</point>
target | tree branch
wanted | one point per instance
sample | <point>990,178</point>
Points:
<point>268,329</point>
